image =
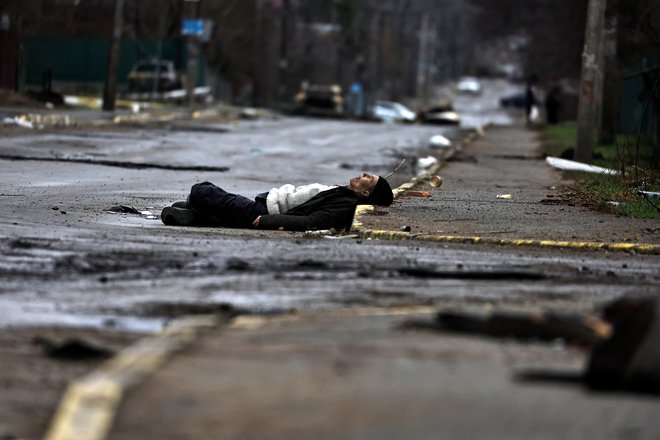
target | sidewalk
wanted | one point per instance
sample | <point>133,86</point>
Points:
<point>356,373</point>
<point>499,190</point>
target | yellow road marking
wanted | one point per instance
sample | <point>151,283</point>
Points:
<point>89,404</point>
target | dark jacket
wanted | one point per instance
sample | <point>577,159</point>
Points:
<point>333,208</point>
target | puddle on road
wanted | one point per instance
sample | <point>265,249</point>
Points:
<point>47,314</point>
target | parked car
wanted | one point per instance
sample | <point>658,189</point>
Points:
<point>515,100</point>
<point>316,99</point>
<point>469,85</point>
<point>389,111</point>
<point>147,74</point>
<point>441,113</point>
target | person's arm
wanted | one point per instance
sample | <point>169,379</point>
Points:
<point>333,213</point>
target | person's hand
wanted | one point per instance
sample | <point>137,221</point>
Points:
<point>255,223</point>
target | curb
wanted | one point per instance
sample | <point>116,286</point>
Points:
<point>89,405</point>
<point>641,248</point>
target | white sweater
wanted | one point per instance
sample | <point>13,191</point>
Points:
<point>286,197</point>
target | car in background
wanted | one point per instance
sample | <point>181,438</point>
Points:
<point>154,75</point>
<point>469,85</point>
<point>317,99</point>
<point>389,111</point>
<point>517,100</point>
<point>441,113</point>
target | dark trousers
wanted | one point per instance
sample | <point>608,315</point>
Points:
<point>220,208</point>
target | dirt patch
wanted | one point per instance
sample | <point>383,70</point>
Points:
<point>33,378</point>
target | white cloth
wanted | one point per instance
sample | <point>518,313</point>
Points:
<point>286,197</point>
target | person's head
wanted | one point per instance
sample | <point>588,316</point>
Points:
<point>374,189</point>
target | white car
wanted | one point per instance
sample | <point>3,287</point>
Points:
<point>389,111</point>
<point>469,85</point>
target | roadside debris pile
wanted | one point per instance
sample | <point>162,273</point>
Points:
<point>624,342</point>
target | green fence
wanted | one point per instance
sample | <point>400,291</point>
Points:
<point>85,60</point>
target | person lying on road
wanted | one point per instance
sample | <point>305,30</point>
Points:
<point>287,208</point>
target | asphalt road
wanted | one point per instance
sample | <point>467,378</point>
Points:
<point>67,260</point>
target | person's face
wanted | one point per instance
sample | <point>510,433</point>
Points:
<point>364,184</point>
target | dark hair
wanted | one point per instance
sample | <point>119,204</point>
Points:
<point>382,194</point>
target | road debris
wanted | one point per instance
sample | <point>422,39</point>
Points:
<point>438,141</point>
<point>649,194</point>
<point>123,209</point>
<point>417,194</point>
<point>436,181</point>
<point>504,196</point>
<point>21,121</point>
<point>320,233</point>
<point>547,326</point>
<point>424,163</point>
<point>630,359</point>
<point>73,349</point>
<point>571,165</point>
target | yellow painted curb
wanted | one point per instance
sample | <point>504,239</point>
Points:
<point>642,248</point>
<point>89,405</point>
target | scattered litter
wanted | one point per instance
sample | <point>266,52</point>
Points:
<point>424,163</point>
<point>21,121</point>
<point>436,181</point>
<point>72,349</point>
<point>319,234</point>
<point>405,228</point>
<point>504,196</point>
<point>341,237</point>
<point>123,209</point>
<point>571,165</point>
<point>250,113</point>
<point>650,194</point>
<point>417,193</point>
<point>613,203</point>
<point>438,141</point>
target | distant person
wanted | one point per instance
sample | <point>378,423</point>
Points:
<point>288,208</point>
<point>530,99</point>
<point>553,100</point>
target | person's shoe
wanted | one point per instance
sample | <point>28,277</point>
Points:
<point>174,216</point>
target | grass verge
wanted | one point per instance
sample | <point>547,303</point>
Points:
<point>634,161</point>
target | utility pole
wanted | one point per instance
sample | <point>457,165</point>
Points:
<point>110,88</point>
<point>192,48</point>
<point>422,63</point>
<point>591,82</point>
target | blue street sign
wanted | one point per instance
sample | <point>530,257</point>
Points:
<point>192,27</point>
